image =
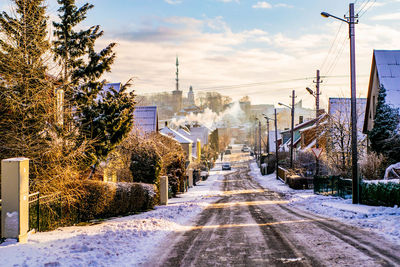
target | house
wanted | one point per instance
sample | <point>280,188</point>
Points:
<point>301,131</point>
<point>308,135</point>
<point>385,71</point>
<point>339,111</point>
<point>196,145</point>
<point>185,142</point>
<point>145,120</point>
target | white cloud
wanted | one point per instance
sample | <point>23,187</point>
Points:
<point>224,57</point>
<point>228,1</point>
<point>387,16</point>
<point>266,5</point>
<point>283,5</point>
<point>173,2</point>
<point>263,5</point>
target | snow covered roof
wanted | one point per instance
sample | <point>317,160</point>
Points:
<point>146,119</point>
<point>305,124</point>
<point>107,88</point>
<point>385,70</point>
<point>116,86</point>
<point>175,135</point>
<point>184,133</point>
<point>388,68</point>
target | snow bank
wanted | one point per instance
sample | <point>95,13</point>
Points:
<point>384,221</point>
<point>122,241</point>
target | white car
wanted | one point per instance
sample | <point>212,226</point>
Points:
<point>226,167</point>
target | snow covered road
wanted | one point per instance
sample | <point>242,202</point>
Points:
<point>253,226</point>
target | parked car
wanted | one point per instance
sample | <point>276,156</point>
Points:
<point>228,152</point>
<point>245,149</point>
<point>229,147</point>
<point>204,175</point>
<point>226,166</point>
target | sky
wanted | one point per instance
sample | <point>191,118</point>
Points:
<point>263,49</point>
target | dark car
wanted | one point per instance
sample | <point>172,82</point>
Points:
<point>228,152</point>
<point>226,166</point>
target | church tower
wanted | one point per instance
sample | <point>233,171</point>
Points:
<point>177,94</point>
<point>191,97</point>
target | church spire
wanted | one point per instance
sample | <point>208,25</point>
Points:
<point>177,74</point>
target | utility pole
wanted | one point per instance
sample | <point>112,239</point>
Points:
<point>259,139</point>
<point>351,21</point>
<point>255,139</point>
<point>356,182</point>
<point>317,93</point>
<point>291,131</point>
<point>268,137</point>
<point>276,144</point>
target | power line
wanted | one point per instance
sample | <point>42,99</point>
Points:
<point>372,3</point>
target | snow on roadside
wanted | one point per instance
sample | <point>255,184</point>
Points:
<point>384,221</point>
<point>124,241</point>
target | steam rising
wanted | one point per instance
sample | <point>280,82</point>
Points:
<point>231,117</point>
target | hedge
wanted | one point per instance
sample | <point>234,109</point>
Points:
<point>380,194</point>
<point>104,200</point>
<point>97,200</point>
<point>298,182</point>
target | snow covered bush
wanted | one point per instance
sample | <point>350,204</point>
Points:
<point>380,194</point>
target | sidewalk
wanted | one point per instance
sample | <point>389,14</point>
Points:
<point>384,221</point>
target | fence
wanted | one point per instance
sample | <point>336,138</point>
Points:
<point>282,173</point>
<point>51,211</point>
<point>333,185</point>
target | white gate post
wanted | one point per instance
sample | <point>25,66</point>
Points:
<point>15,202</point>
<point>164,190</point>
<point>190,174</point>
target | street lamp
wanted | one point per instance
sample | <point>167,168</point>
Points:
<point>310,91</point>
<point>276,140</point>
<point>259,139</point>
<point>351,21</point>
<point>267,118</point>
<point>291,130</point>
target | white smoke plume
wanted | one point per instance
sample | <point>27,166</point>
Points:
<point>231,117</point>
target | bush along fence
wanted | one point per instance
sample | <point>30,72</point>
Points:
<point>380,194</point>
<point>101,200</point>
<point>333,185</point>
<point>374,194</point>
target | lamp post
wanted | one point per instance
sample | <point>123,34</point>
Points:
<point>351,21</point>
<point>276,140</point>
<point>266,117</point>
<point>291,129</point>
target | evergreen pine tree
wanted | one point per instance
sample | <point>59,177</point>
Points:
<point>105,118</point>
<point>384,135</point>
<point>26,95</point>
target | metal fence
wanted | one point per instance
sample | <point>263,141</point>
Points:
<point>333,185</point>
<point>51,211</point>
